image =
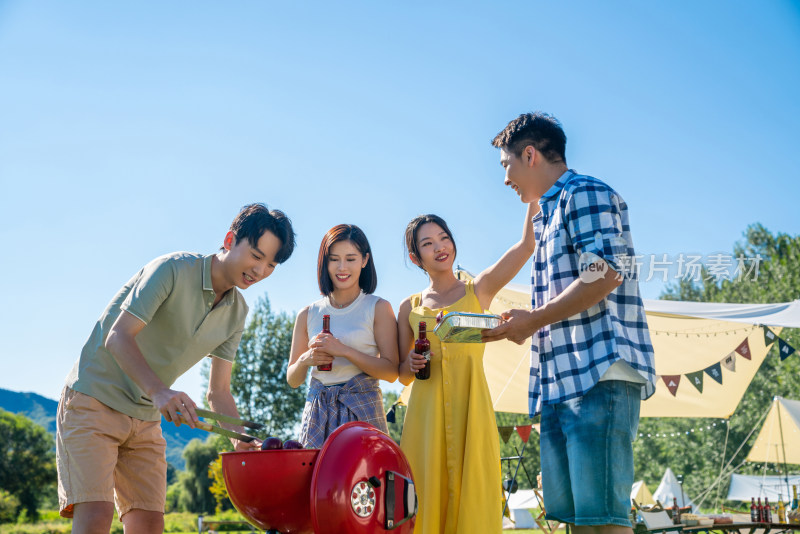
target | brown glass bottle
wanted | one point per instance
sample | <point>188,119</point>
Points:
<point>423,346</point>
<point>326,329</point>
<point>676,511</point>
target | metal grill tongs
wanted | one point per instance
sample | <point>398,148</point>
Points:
<point>208,427</point>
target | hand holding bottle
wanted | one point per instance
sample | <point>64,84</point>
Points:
<point>422,347</point>
<point>326,329</point>
<point>416,361</point>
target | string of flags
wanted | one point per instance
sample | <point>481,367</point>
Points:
<point>524,432</point>
<point>728,362</point>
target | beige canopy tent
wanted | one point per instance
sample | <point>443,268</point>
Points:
<point>779,439</point>
<point>641,494</point>
<point>688,337</point>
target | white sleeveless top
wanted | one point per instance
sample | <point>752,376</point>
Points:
<point>353,326</point>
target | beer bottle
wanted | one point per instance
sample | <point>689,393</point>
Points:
<point>794,498</point>
<point>676,511</point>
<point>760,511</point>
<point>767,511</point>
<point>326,329</point>
<point>423,346</point>
<point>781,510</point>
<point>753,510</point>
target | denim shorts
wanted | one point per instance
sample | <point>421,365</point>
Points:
<point>587,455</point>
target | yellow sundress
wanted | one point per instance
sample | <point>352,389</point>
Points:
<point>450,435</point>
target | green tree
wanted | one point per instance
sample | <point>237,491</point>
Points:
<point>195,494</point>
<point>27,462</point>
<point>699,455</point>
<point>258,380</point>
<point>9,506</point>
<point>396,427</point>
<point>218,488</point>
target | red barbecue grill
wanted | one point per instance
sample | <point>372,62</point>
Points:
<point>359,481</point>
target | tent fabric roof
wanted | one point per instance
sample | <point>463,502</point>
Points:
<point>784,314</point>
<point>745,487</point>
<point>669,489</point>
<point>783,420</point>
<point>524,498</point>
<point>687,337</point>
<point>641,493</point>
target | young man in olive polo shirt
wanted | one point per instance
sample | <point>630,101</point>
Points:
<point>177,310</point>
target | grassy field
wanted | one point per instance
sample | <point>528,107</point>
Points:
<point>174,523</point>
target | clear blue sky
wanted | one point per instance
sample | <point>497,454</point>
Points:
<point>133,129</point>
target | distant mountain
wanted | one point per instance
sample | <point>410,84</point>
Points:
<point>43,412</point>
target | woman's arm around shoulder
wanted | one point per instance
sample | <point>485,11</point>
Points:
<point>493,279</point>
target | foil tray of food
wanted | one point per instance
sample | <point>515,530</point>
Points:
<point>461,327</point>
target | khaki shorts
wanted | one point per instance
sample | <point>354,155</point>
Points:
<point>105,455</point>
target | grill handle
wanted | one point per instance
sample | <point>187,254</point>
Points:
<point>409,497</point>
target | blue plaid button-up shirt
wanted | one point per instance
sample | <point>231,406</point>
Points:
<point>582,221</point>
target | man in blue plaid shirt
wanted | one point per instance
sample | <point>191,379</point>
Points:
<point>591,356</point>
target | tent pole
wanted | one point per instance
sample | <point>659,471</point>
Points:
<point>783,446</point>
<point>514,478</point>
<point>722,465</point>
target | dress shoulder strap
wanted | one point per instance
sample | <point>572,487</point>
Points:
<point>416,300</point>
<point>470,287</point>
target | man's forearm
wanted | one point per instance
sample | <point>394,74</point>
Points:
<point>224,403</point>
<point>578,297</point>
<point>131,360</point>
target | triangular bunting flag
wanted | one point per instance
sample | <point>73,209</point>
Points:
<point>672,382</point>
<point>715,372</point>
<point>743,349</point>
<point>785,349</point>
<point>390,417</point>
<point>769,336</point>
<point>696,379</point>
<point>730,362</point>
<point>524,432</point>
<point>505,432</point>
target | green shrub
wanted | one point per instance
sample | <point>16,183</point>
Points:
<point>9,505</point>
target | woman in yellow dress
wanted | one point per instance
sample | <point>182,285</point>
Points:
<point>450,435</point>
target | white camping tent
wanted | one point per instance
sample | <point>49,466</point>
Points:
<point>519,505</point>
<point>669,489</point>
<point>779,439</point>
<point>745,487</point>
<point>687,337</point>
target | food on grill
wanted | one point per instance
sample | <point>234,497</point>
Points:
<point>292,444</point>
<point>271,444</point>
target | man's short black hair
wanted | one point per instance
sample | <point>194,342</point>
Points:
<point>539,129</point>
<point>255,219</point>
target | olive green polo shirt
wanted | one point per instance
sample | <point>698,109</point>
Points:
<point>173,296</point>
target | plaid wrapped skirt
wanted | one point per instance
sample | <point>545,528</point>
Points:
<point>329,407</point>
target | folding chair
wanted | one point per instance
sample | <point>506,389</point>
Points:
<point>548,527</point>
<point>656,520</point>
